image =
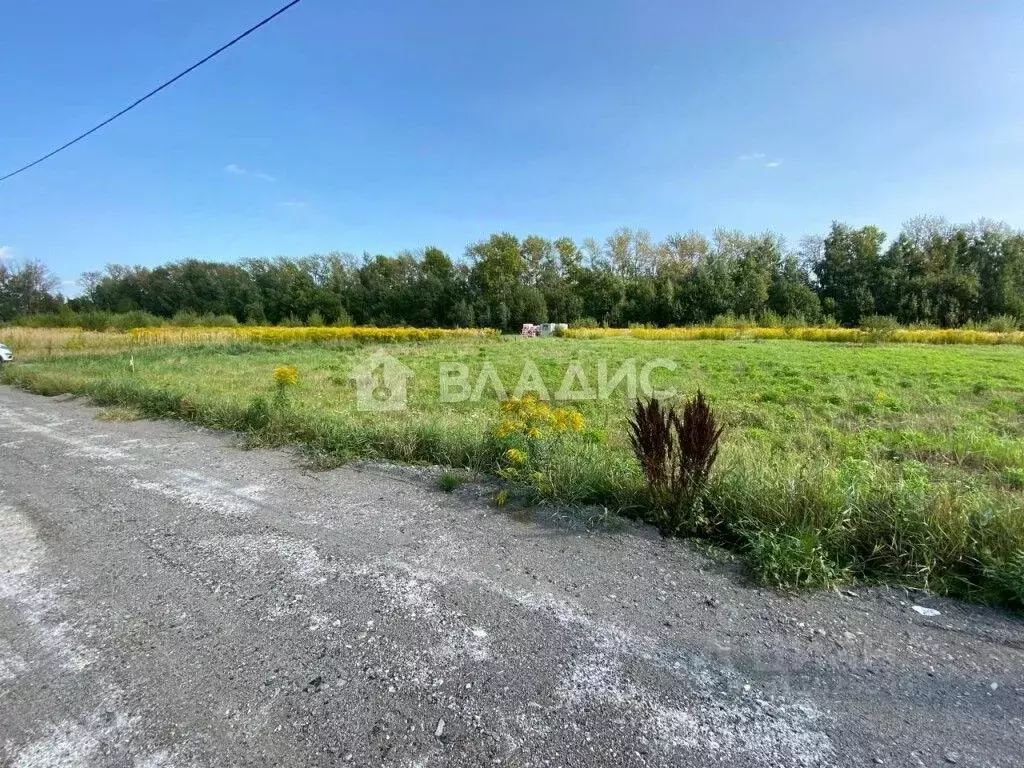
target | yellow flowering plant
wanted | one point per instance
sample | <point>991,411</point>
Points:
<point>285,377</point>
<point>300,335</point>
<point>527,430</point>
<point>806,333</point>
<point>535,419</point>
<point>515,456</point>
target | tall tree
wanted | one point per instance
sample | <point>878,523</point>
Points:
<point>437,289</point>
<point>791,294</point>
<point>497,274</point>
<point>757,263</point>
<point>847,270</point>
<point>27,287</point>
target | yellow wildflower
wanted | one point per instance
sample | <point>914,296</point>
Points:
<point>515,455</point>
<point>568,419</point>
<point>286,375</point>
<point>508,427</point>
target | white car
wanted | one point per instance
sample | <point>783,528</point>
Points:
<point>6,355</point>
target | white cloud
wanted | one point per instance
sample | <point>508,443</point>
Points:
<point>292,204</point>
<point>758,156</point>
<point>6,252</point>
<point>237,170</point>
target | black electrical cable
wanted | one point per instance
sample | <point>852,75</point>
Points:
<point>154,92</point>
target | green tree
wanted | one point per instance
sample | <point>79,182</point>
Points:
<point>498,269</point>
<point>437,289</point>
<point>757,263</point>
<point>847,270</point>
<point>26,288</point>
<point>791,294</point>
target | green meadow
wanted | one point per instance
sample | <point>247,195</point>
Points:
<point>839,462</point>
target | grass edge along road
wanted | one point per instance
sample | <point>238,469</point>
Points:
<point>812,524</point>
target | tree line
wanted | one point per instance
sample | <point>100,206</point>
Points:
<point>931,273</point>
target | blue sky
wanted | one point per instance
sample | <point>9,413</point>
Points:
<point>394,124</point>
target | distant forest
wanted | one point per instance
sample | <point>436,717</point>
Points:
<point>931,273</point>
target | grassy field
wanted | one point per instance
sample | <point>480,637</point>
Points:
<point>893,334</point>
<point>839,462</point>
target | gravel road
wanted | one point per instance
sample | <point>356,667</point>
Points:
<point>167,599</point>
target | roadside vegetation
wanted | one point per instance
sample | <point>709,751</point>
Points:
<point>449,481</point>
<point>837,462</point>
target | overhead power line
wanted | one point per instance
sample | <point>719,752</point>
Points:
<point>155,91</point>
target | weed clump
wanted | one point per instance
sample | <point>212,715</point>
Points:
<point>793,560</point>
<point>257,414</point>
<point>449,482</point>
<point>676,454</point>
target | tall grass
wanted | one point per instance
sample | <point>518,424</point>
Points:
<point>31,343</point>
<point>35,343</point>
<point>301,335</point>
<point>827,523</point>
<point>840,335</point>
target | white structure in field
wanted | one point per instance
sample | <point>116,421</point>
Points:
<point>544,329</point>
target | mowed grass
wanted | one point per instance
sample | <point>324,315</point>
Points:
<point>839,462</point>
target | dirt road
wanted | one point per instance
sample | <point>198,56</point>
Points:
<point>167,599</point>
